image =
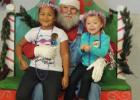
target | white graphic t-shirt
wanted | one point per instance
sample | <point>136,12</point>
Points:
<point>39,36</point>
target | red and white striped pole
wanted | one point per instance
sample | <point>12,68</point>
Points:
<point>120,39</point>
<point>10,42</point>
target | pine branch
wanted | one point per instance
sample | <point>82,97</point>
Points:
<point>125,14</point>
<point>27,18</point>
<point>125,67</point>
<point>109,18</point>
<point>126,48</point>
<point>5,28</point>
<point>5,32</point>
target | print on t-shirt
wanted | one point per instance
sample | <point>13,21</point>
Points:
<point>44,39</point>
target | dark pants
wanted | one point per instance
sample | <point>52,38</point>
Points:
<point>51,85</point>
<point>79,73</point>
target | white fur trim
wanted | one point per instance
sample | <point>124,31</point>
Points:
<point>97,72</point>
<point>45,51</point>
<point>10,7</point>
<point>74,3</point>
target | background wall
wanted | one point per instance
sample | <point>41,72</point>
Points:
<point>134,58</point>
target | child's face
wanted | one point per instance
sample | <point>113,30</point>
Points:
<point>94,24</point>
<point>46,17</point>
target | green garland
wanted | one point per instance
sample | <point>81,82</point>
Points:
<point>27,18</point>
<point>126,49</point>
<point>109,18</point>
<point>5,32</point>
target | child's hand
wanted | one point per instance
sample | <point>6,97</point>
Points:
<point>85,48</point>
<point>23,64</point>
<point>65,82</point>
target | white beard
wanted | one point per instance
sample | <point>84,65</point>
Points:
<point>67,24</point>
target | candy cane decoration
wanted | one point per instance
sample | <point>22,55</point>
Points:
<point>10,42</point>
<point>120,39</point>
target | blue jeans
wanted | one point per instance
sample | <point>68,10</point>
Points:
<point>38,92</point>
<point>94,93</point>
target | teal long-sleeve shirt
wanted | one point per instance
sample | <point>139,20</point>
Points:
<point>95,51</point>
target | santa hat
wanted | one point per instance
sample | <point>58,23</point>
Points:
<point>79,4</point>
<point>74,3</point>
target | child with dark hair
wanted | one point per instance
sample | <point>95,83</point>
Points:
<point>46,68</point>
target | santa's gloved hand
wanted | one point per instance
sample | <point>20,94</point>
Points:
<point>45,51</point>
<point>97,72</point>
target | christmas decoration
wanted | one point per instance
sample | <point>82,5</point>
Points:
<point>109,18</point>
<point>126,47</point>
<point>5,35</point>
<point>74,3</point>
<point>27,18</point>
<point>124,40</point>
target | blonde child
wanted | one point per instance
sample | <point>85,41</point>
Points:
<point>45,69</point>
<point>94,44</point>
